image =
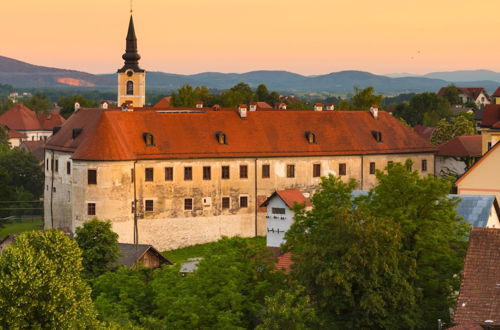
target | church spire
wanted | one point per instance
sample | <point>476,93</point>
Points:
<point>131,56</point>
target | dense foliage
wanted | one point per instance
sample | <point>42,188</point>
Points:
<point>456,126</point>
<point>424,109</point>
<point>67,104</point>
<point>40,284</point>
<point>99,245</point>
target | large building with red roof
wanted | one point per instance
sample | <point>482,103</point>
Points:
<point>172,177</point>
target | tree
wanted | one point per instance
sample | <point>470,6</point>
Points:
<point>432,233</point>
<point>40,284</point>
<point>452,94</point>
<point>289,309</point>
<point>23,171</point>
<point>99,244</point>
<point>350,262</point>
<point>67,104</point>
<point>38,103</point>
<point>457,126</point>
<point>424,109</point>
<point>363,99</point>
<point>262,93</point>
<point>4,140</point>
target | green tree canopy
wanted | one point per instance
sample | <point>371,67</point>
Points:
<point>38,102</point>
<point>4,140</point>
<point>363,99</point>
<point>452,94</point>
<point>40,284</point>
<point>67,104</point>
<point>23,172</point>
<point>350,262</point>
<point>449,129</point>
<point>99,244</point>
<point>424,109</point>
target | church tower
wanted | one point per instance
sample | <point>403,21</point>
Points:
<point>131,78</point>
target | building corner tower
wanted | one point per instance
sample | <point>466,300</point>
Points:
<point>131,78</point>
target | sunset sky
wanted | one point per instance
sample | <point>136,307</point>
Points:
<point>307,37</point>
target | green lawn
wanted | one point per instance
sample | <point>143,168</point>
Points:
<point>201,250</point>
<point>19,227</point>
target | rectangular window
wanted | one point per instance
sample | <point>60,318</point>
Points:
<point>92,176</point>
<point>342,169</point>
<point>424,165</point>
<point>372,167</point>
<point>91,208</point>
<point>47,164</point>
<point>266,171</point>
<point>243,201</point>
<point>489,145</point>
<point>149,174</point>
<point>52,164</point>
<point>278,210</point>
<point>57,165</point>
<point>316,170</point>
<point>290,171</point>
<point>149,205</point>
<point>207,173</point>
<point>188,204</point>
<point>225,202</point>
<point>243,171</point>
<point>169,173</point>
<point>188,173</point>
<point>68,168</point>
<point>225,172</point>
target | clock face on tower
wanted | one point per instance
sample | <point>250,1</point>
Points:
<point>130,73</point>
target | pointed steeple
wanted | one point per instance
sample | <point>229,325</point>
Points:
<point>131,56</point>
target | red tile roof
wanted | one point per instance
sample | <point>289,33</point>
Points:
<point>424,131</point>
<point>22,118</point>
<point>118,135</point>
<point>496,93</point>
<point>468,326</point>
<point>285,262</point>
<point>479,298</point>
<point>491,115</point>
<point>163,103</point>
<point>13,134</point>
<point>462,146</point>
<point>289,197</point>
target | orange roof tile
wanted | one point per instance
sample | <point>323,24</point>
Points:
<point>22,118</point>
<point>285,262</point>
<point>289,197</point>
<point>424,131</point>
<point>479,298</point>
<point>118,135</point>
<point>13,134</point>
<point>462,146</point>
<point>496,93</point>
<point>163,103</point>
<point>491,115</point>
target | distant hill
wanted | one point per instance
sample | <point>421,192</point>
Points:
<point>21,74</point>
<point>466,75</point>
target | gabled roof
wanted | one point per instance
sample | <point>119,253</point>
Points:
<point>13,134</point>
<point>118,135</point>
<point>472,92</point>
<point>462,146</point>
<point>424,131</point>
<point>479,298</point>
<point>289,197</point>
<point>22,118</point>
<point>164,103</point>
<point>478,163</point>
<point>129,255</point>
<point>496,93</point>
<point>491,115</point>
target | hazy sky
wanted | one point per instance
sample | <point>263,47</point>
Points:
<point>308,37</point>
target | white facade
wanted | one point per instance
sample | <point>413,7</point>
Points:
<point>279,219</point>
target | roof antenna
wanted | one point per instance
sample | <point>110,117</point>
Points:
<point>131,6</point>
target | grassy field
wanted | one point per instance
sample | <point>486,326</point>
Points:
<point>19,227</point>
<point>201,250</point>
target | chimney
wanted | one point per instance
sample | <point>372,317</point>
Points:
<point>242,110</point>
<point>77,106</point>
<point>330,106</point>
<point>216,107</point>
<point>374,111</point>
<point>253,106</point>
<point>318,107</point>
<point>104,105</point>
<point>199,105</point>
<point>282,106</point>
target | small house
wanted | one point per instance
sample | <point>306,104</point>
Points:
<point>144,254</point>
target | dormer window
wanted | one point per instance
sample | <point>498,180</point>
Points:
<point>76,132</point>
<point>311,137</point>
<point>149,139</point>
<point>377,135</point>
<point>221,137</point>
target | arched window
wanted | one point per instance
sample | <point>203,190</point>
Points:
<point>130,88</point>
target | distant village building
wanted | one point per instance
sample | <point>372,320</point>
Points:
<point>478,302</point>
<point>26,122</point>
<point>483,177</point>
<point>172,177</point>
<point>490,126</point>
<point>478,95</point>
<point>457,155</point>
